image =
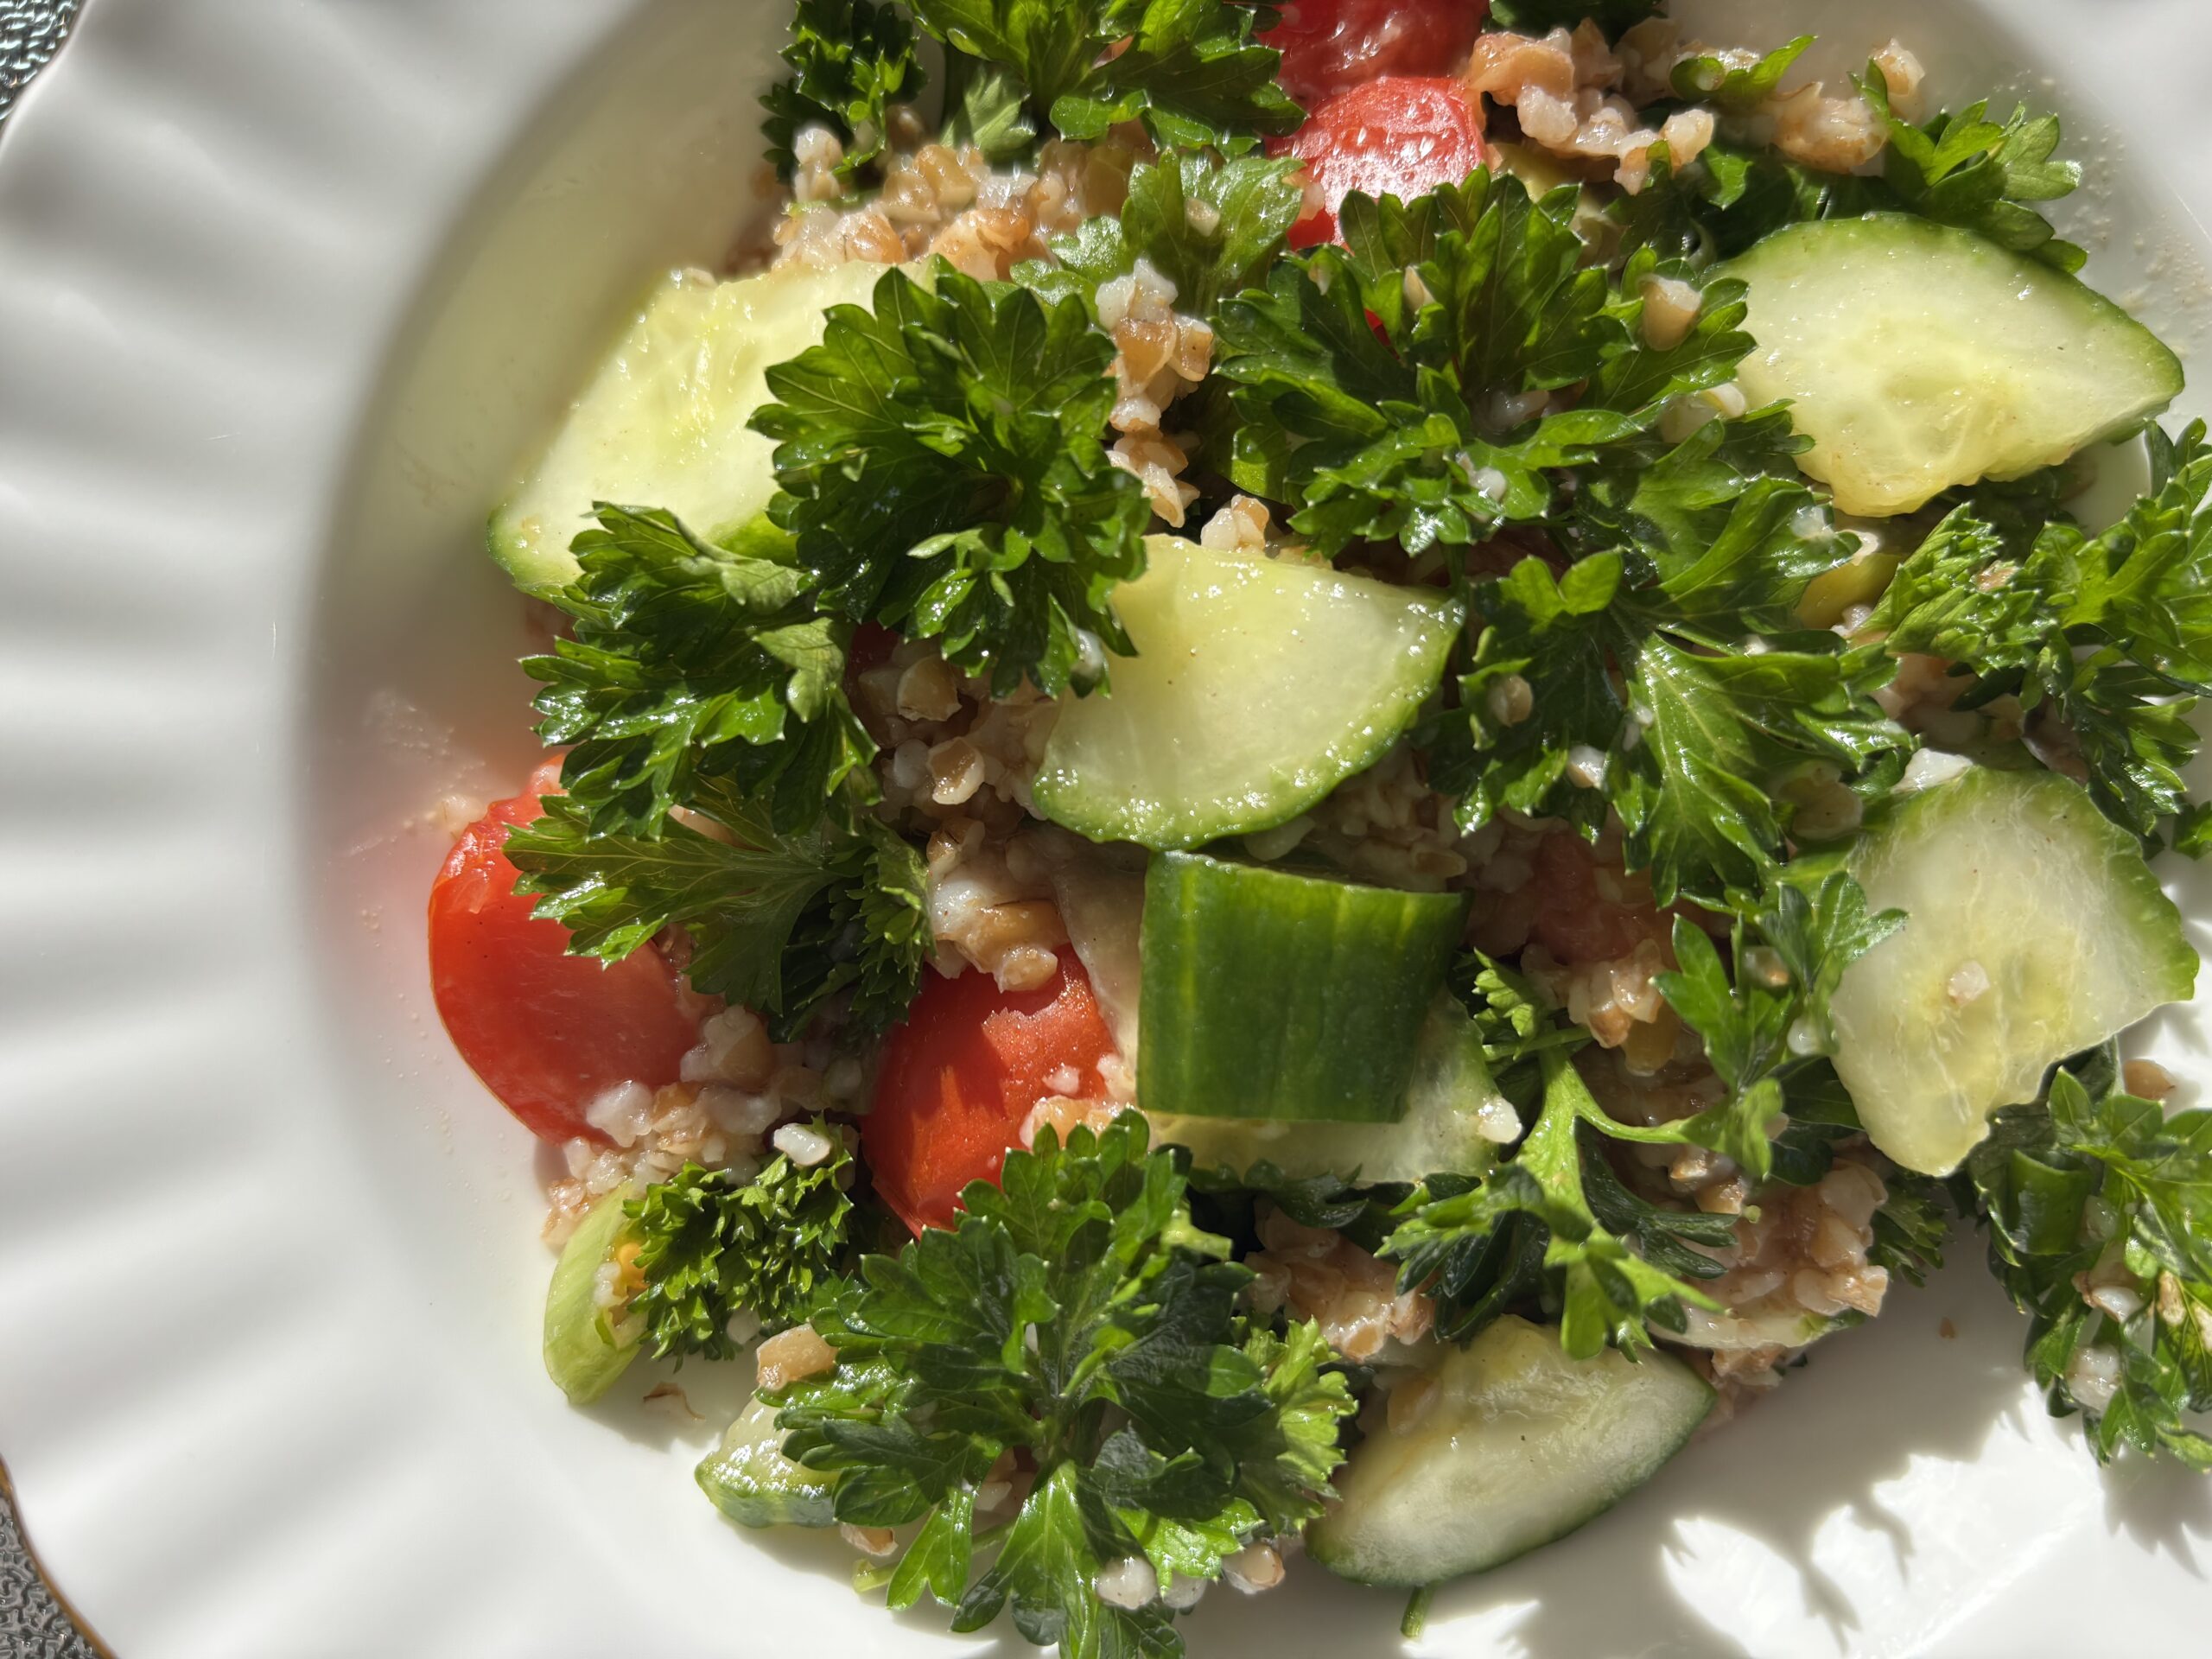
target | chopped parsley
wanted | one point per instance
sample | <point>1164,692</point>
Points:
<point>1982,175</point>
<point>1190,70</point>
<point>1696,745</point>
<point>2111,634</point>
<point>1211,227</point>
<point>2100,1215</point>
<point>1529,1228</point>
<point>710,1246</point>
<point>850,61</point>
<point>943,471</point>
<point>1733,88</point>
<point>780,923</point>
<point>1395,388</point>
<point>690,664</point>
<point>1076,1315</point>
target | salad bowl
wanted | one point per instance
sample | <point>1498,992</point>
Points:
<point>291,294</point>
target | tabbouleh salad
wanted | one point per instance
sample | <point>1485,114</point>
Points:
<point>1314,769</point>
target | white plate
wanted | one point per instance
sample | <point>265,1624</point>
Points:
<point>288,287</point>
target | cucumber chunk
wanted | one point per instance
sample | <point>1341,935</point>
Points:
<point>1453,1110</point>
<point>753,1483</point>
<point>1758,1327</point>
<point>1520,1445</point>
<point>1268,994</point>
<point>2035,929</point>
<point>662,422</point>
<point>1917,356</point>
<point>1260,685</point>
<point>584,1352</point>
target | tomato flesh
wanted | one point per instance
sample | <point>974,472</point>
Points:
<point>1328,45</point>
<point>547,1032</point>
<point>1401,136</point>
<point>957,1079</point>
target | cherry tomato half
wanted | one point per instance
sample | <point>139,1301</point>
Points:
<point>1400,136</point>
<point>958,1078</point>
<point>547,1032</point>
<point>1328,45</point>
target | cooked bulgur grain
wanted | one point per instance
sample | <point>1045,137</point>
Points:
<point>1320,1274</point>
<point>790,1357</point>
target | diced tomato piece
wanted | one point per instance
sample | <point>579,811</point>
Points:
<point>958,1078</point>
<point>1328,45</point>
<point>1401,136</point>
<point>547,1032</point>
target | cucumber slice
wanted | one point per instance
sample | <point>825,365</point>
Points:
<point>1450,1104</point>
<point>662,423</point>
<point>2035,929</point>
<point>753,1483</point>
<point>583,1353</point>
<point>1746,1332</point>
<point>1259,685</point>
<point>1269,994</point>
<point>1520,1445</point>
<point>1918,356</point>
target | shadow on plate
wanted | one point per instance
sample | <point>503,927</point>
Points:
<point>2161,1507</point>
<point>1820,1453</point>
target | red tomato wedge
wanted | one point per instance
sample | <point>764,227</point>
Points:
<point>959,1077</point>
<point>1328,45</point>
<point>1400,136</point>
<point>547,1032</point>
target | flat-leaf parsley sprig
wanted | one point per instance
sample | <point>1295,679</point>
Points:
<point>942,465</point>
<point>1529,1229</point>
<point>710,1245</point>
<point>691,662</point>
<point>851,60</point>
<point>779,923</point>
<point>1190,70</point>
<point>1074,1314</point>
<point>1398,388</point>
<point>2111,634</point>
<point>2100,1215</point>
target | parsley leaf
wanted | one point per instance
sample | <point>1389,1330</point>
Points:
<point>1962,169</point>
<point>1209,226</point>
<point>986,105</point>
<point>1517,1024</point>
<point>1478,1246</point>
<point>780,923</point>
<point>1910,1225</point>
<point>1755,1025</point>
<point>1550,634</point>
<point>1699,793</point>
<point>692,662</point>
<point>1732,197</point>
<point>1623,683</point>
<point>850,61</point>
<point>1967,170</point>
<point>1076,1315</point>
<point>944,470</point>
<point>709,1245</point>
<point>1680,1242</point>
<point>2106,1197</point>
<point>1732,88</point>
<point>1423,426</point>
<point>1644,376</point>
<point>2114,632</point>
<point>1680,499</point>
<point>1191,70</point>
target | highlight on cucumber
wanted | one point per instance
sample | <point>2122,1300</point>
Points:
<point>1287,816</point>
